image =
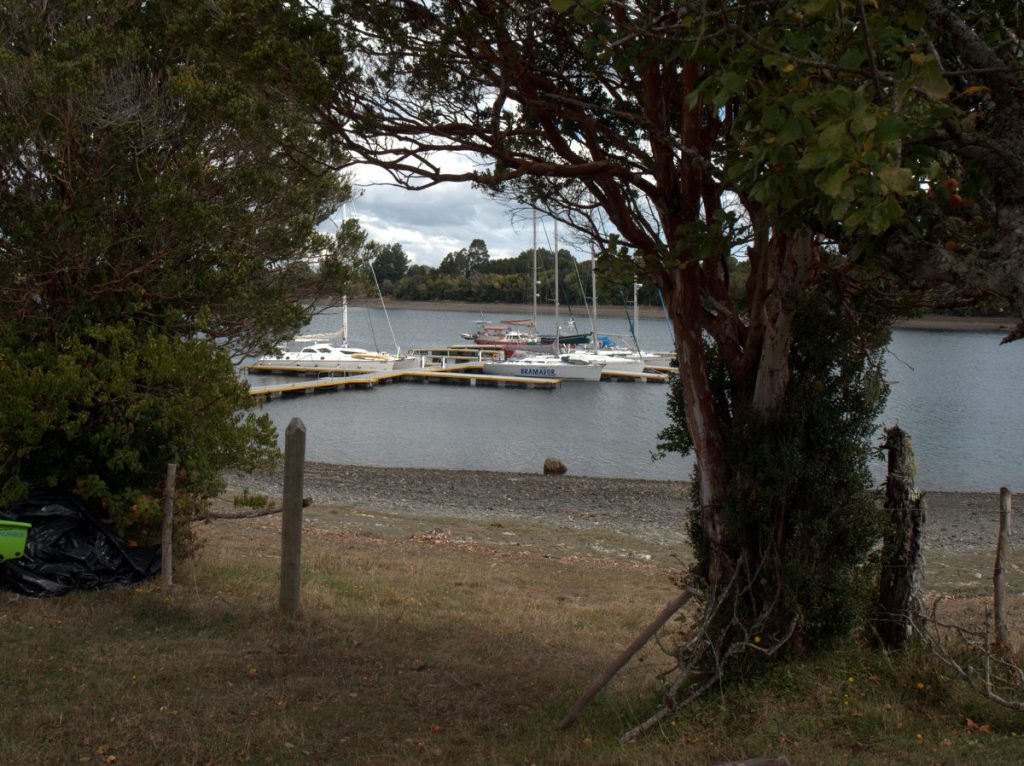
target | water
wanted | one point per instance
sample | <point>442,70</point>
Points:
<point>956,393</point>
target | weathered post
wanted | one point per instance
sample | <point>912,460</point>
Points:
<point>1002,561</point>
<point>291,519</point>
<point>899,587</point>
<point>167,532</point>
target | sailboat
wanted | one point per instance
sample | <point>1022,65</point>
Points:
<point>568,335</point>
<point>514,335</point>
<point>321,354</point>
<point>558,365</point>
<point>563,366</point>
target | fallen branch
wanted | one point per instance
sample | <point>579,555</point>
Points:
<point>670,609</point>
<point>252,514</point>
<point>971,654</point>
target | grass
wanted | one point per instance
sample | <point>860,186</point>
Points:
<point>436,642</point>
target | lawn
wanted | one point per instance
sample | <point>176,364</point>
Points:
<point>441,642</point>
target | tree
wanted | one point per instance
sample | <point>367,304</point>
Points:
<point>822,139</point>
<point>390,262</point>
<point>476,256</point>
<point>467,261</point>
<point>160,186</point>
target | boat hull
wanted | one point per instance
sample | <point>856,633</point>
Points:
<point>532,368</point>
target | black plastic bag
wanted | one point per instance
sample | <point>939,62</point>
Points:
<point>68,549</point>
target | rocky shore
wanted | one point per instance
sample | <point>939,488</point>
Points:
<point>651,510</point>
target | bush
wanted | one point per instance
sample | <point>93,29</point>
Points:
<point>101,413</point>
<point>801,499</point>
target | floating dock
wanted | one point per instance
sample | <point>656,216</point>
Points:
<point>369,380</point>
<point>455,365</point>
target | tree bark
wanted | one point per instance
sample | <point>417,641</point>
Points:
<point>899,588</point>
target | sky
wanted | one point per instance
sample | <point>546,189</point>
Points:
<point>433,222</point>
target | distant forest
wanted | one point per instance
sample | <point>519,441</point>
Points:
<point>471,275</point>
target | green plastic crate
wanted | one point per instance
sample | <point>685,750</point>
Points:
<point>13,535</point>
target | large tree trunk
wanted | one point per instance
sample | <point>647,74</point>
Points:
<point>682,294</point>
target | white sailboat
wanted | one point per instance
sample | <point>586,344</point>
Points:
<point>563,367</point>
<point>566,366</point>
<point>321,354</point>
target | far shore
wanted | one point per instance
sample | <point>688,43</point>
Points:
<point>495,310</point>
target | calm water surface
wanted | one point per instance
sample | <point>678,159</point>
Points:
<point>956,393</point>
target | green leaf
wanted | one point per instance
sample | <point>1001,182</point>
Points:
<point>932,82</point>
<point>831,181</point>
<point>816,7</point>
<point>818,158</point>
<point>791,131</point>
<point>889,128</point>
<point>561,6</point>
<point>897,179</point>
<point>833,135</point>
<point>853,58</point>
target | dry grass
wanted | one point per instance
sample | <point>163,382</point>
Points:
<point>427,641</point>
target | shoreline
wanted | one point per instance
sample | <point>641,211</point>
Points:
<point>937,322</point>
<point>652,509</point>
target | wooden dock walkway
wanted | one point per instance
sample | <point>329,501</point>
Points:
<point>454,369</point>
<point>462,374</point>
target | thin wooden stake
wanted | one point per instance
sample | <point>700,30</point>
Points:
<point>167,532</point>
<point>291,520</point>
<point>999,574</point>
<point>670,609</point>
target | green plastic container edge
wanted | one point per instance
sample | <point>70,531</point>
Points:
<point>12,546</point>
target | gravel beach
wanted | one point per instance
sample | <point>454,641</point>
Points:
<point>651,510</point>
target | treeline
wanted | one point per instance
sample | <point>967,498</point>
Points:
<point>470,275</point>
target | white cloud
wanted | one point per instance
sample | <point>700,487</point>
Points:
<point>433,222</point>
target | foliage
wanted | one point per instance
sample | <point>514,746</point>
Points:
<point>507,280</point>
<point>466,261</point>
<point>826,145</point>
<point>101,411</point>
<point>161,182</point>
<point>390,263</point>
<point>802,474</point>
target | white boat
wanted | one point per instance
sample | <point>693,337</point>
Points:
<point>321,354</point>
<point>611,361</point>
<point>325,356</point>
<point>562,367</point>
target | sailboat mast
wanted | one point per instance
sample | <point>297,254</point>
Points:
<point>344,321</point>
<point>636,313</point>
<point>593,296</point>
<point>558,348</point>
<point>533,285</point>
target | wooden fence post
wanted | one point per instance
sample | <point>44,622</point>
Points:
<point>901,549</point>
<point>999,574</point>
<point>167,536</point>
<point>291,520</point>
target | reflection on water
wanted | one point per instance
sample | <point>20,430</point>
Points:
<point>956,393</point>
